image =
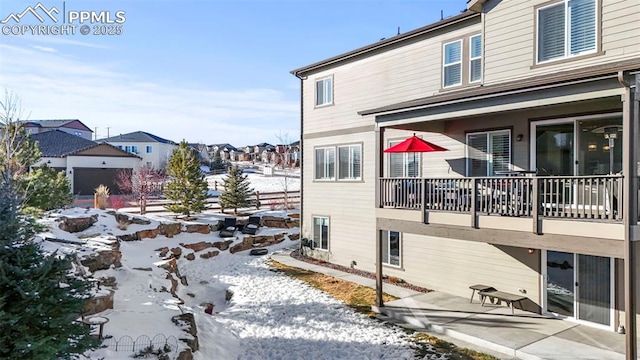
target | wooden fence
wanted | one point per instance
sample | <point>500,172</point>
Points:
<point>259,200</point>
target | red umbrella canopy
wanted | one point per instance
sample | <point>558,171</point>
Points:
<point>414,144</point>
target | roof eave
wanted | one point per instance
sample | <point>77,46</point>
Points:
<point>475,5</point>
<point>300,72</point>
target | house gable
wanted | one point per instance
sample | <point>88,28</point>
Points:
<point>104,149</point>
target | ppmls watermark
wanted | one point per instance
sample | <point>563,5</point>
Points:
<point>40,20</point>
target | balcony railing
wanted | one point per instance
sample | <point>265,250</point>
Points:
<point>578,197</point>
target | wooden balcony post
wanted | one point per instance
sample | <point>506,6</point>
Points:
<point>474,200</point>
<point>629,208</point>
<point>423,198</point>
<point>535,206</point>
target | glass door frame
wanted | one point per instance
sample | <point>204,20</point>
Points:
<point>576,139</point>
<point>576,295</point>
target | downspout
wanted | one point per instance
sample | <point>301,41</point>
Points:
<point>301,156</point>
<point>629,138</point>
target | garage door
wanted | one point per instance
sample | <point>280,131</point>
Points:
<point>85,180</point>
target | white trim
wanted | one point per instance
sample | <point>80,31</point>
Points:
<point>332,177</point>
<point>313,228</point>
<point>479,57</point>
<point>567,37</point>
<point>351,178</point>
<point>543,292</point>
<point>564,120</point>
<point>386,262</point>
<point>325,92</point>
<point>445,65</point>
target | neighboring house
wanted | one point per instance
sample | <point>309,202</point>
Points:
<point>237,155</point>
<point>154,150</point>
<point>71,126</point>
<point>224,150</point>
<point>86,163</point>
<point>203,152</point>
<point>534,101</point>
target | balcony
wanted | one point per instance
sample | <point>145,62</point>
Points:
<point>587,198</point>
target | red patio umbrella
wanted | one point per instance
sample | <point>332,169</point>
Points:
<point>414,144</point>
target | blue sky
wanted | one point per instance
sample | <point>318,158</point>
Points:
<point>205,71</point>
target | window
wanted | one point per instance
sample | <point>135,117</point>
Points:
<point>321,232</point>
<point>403,164</point>
<point>475,58</point>
<point>324,91</point>
<point>77,133</point>
<point>350,162</point>
<point>566,29</point>
<point>325,163</point>
<point>149,164</point>
<point>134,149</point>
<point>119,147</point>
<point>452,65</point>
<point>488,152</point>
<point>391,248</point>
<point>149,149</point>
<point>127,148</point>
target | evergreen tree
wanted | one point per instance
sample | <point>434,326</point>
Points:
<point>39,301</point>
<point>236,190</point>
<point>47,189</point>
<point>217,163</point>
<point>187,186</point>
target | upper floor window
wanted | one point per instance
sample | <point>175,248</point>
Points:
<point>149,149</point>
<point>475,58</point>
<point>324,91</point>
<point>565,29</point>
<point>350,162</point>
<point>77,133</point>
<point>452,65</point>
<point>403,164</point>
<point>462,61</point>
<point>325,160</point>
<point>488,152</point>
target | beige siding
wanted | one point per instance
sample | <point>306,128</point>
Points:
<point>453,265</point>
<point>350,205</point>
<point>510,39</point>
<point>401,74</point>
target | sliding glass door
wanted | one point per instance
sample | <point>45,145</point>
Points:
<point>579,286</point>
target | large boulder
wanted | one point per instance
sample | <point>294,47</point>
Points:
<point>102,260</point>
<point>170,229</point>
<point>77,224</point>
<point>99,303</point>
<point>148,234</point>
<point>278,222</point>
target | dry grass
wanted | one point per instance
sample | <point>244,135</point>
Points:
<point>361,298</point>
<point>358,297</point>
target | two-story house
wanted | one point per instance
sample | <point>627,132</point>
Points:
<point>536,103</point>
<point>71,126</point>
<point>154,150</point>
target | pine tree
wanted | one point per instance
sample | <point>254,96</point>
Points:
<point>39,300</point>
<point>187,187</point>
<point>236,190</point>
<point>217,164</point>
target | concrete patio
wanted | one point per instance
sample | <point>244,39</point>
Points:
<point>489,328</point>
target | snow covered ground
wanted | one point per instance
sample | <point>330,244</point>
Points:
<point>269,316</point>
<point>261,183</point>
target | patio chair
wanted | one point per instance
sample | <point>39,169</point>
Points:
<point>229,228</point>
<point>252,226</point>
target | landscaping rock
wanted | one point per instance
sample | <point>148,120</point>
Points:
<point>277,222</point>
<point>74,225</point>
<point>188,323</point>
<point>148,234</point>
<point>170,229</point>
<point>102,260</point>
<point>197,246</point>
<point>99,303</point>
<point>209,254</point>
<point>190,256</point>
<point>198,228</point>
<point>222,245</point>
<point>177,252</point>
<point>294,236</point>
